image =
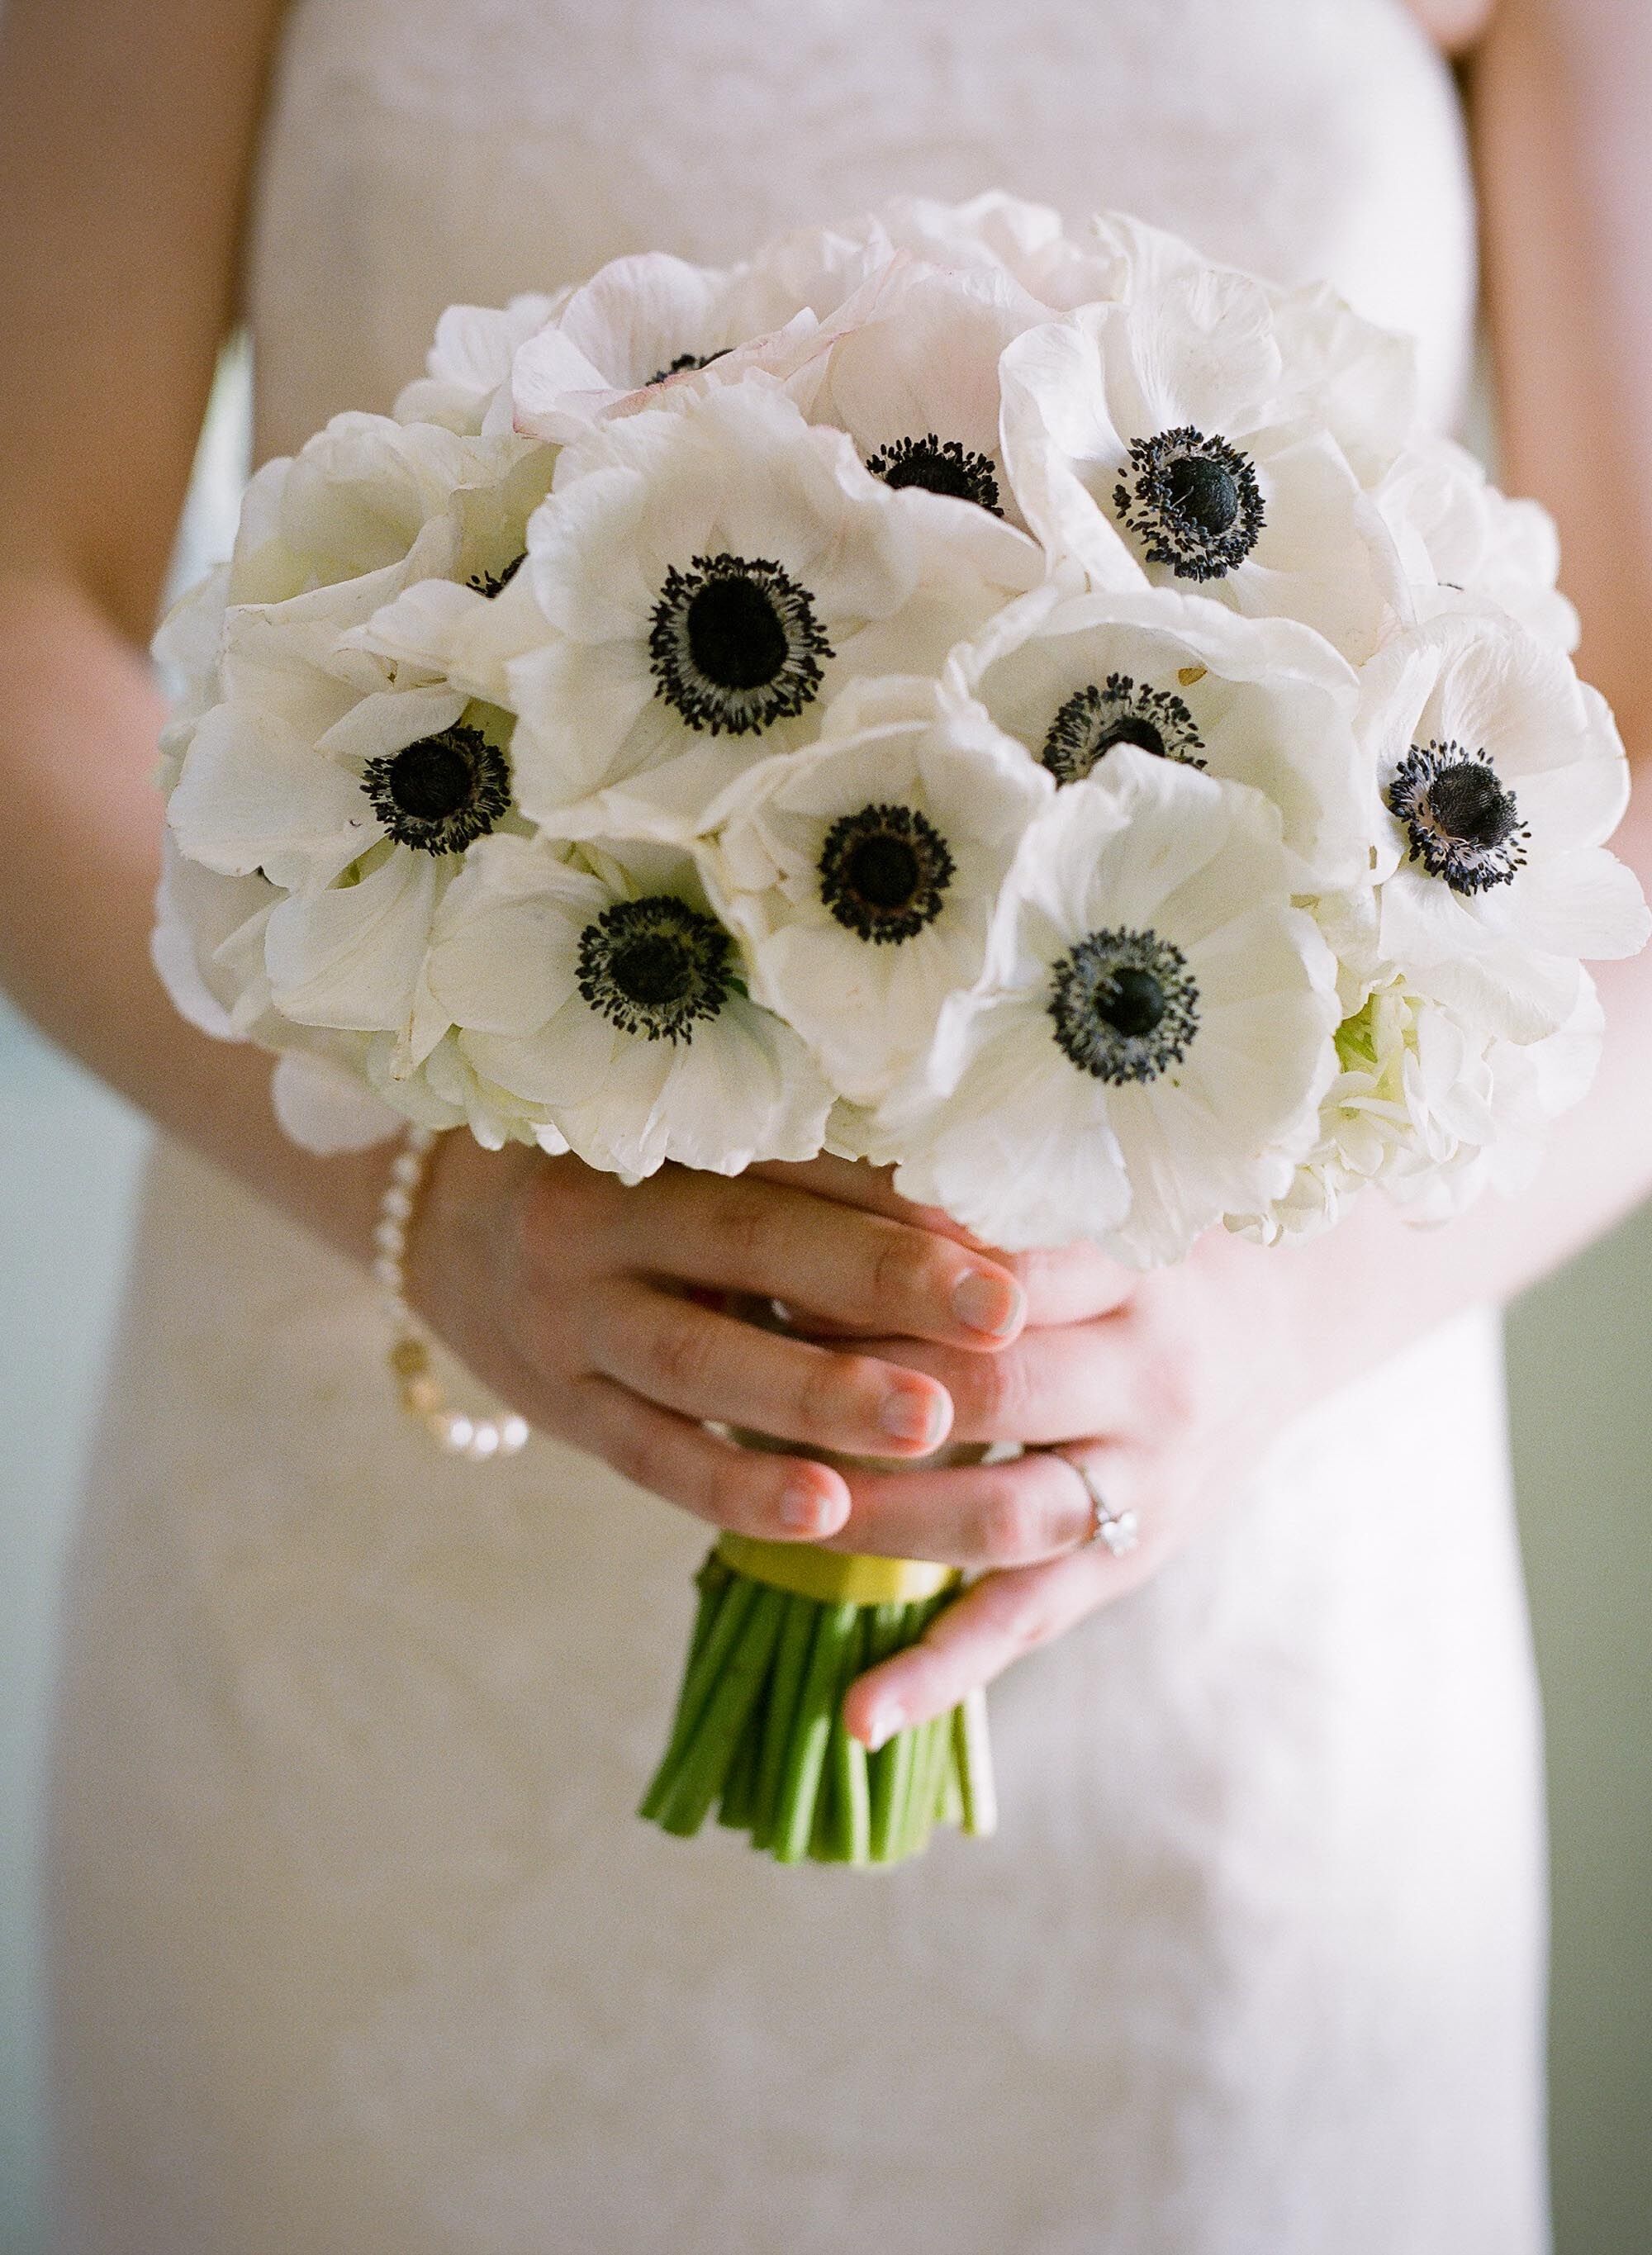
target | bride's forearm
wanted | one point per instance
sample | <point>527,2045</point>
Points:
<point>79,853</point>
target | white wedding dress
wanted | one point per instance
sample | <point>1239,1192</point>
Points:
<point>358,1947</point>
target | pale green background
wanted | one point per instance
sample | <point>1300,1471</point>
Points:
<point>1580,1351</point>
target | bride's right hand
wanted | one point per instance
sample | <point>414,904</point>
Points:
<point>574,1297</point>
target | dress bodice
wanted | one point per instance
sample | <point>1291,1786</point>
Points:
<point>423,151</point>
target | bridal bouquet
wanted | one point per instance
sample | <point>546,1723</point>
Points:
<point>1033,711</point>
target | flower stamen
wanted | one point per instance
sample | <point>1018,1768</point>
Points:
<point>939,466</point>
<point>1192,501</point>
<point>438,794</point>
<point>1125,1006</point>
<point>883,872</point>
<point>1119,711</point>
<point>490,583</point>
<point>734,644</point>
<point>686,362</point>
<point>1461,822</point>
<point>655,967</point>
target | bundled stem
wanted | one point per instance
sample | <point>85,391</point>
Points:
<point>759,1733</point>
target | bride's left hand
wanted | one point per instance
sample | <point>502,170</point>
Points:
<point>1167,1387</point>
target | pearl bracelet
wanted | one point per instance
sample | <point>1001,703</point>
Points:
<point>478,1438</point>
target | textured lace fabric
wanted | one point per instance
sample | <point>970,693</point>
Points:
<point>358,1947</point>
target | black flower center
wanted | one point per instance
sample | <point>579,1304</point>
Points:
<point>939,466</point>
<point>1203,490</point>
<point>684,361</point>
<point>439,794</point>
<point>1125,1006</point>
<point>1461,821</point>
<point>489,583</point>
<point>883,872</point>
<point>1118,711</point>
<point>655,967</point>
<point>734,644</point>
<point>1192,501</point>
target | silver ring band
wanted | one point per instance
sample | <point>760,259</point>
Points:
<point>1118,1531</point>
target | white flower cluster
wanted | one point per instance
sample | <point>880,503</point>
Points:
<point>1030,710</point>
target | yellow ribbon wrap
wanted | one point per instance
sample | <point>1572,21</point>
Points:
<point>834,1578</point>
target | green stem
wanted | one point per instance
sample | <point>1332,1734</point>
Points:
<point>706,1760</point>
<point>806,1749</point>
<point>740,1789</point>
<point>974,1741</point>
<point>792,1660</point>
<point>733,1605</point>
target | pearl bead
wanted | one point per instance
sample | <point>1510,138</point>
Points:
<point>477,1439</point>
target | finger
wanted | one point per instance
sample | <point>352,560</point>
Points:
<point>965,1645</point>
<point>1073,1285</point>
<point>859,1268</point>
<point>1050,1385</point>
<point>1063,1285</point>
<point>710,1366</point>
<point>983,1517</point>
<point>776,1498</point>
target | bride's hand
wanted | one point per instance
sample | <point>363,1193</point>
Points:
<point>568,1293</point>
<point>1166,1385</point>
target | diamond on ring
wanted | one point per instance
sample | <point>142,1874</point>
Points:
<point>1119,1530</point>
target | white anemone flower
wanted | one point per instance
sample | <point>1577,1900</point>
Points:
<point>362,829</point>
<point>1502,774</point>
<point>1363,379</point>
<point>908,367</point>
<point>995,233</point>
<point>1150,1049</point>
<point>638,327</point>
<point>1460,537</point>
<point>352,774</point>
<point>466,386</point>
<point>603,995</point>
<point>863,875</point>
<point>1259,701</point>
<point>712,573</point>
<point>371,498</point>
<point>1181,439</point>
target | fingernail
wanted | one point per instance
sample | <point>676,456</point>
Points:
<point>809,1509</point>
<point>909,1416</point>
<point>887,1717</point>
<point>987,1302</point>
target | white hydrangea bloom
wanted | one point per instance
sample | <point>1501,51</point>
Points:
<point>603,995</point>
<point>466,386</point>
<point>1149,1048</point>
<point>1180,437</point>
<point>863,875</point>
<point>1502,774</point>
<point>1259,701</point>
<point>1460,536</point>
<point>712,571</point>
<point>1431,1111</point>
